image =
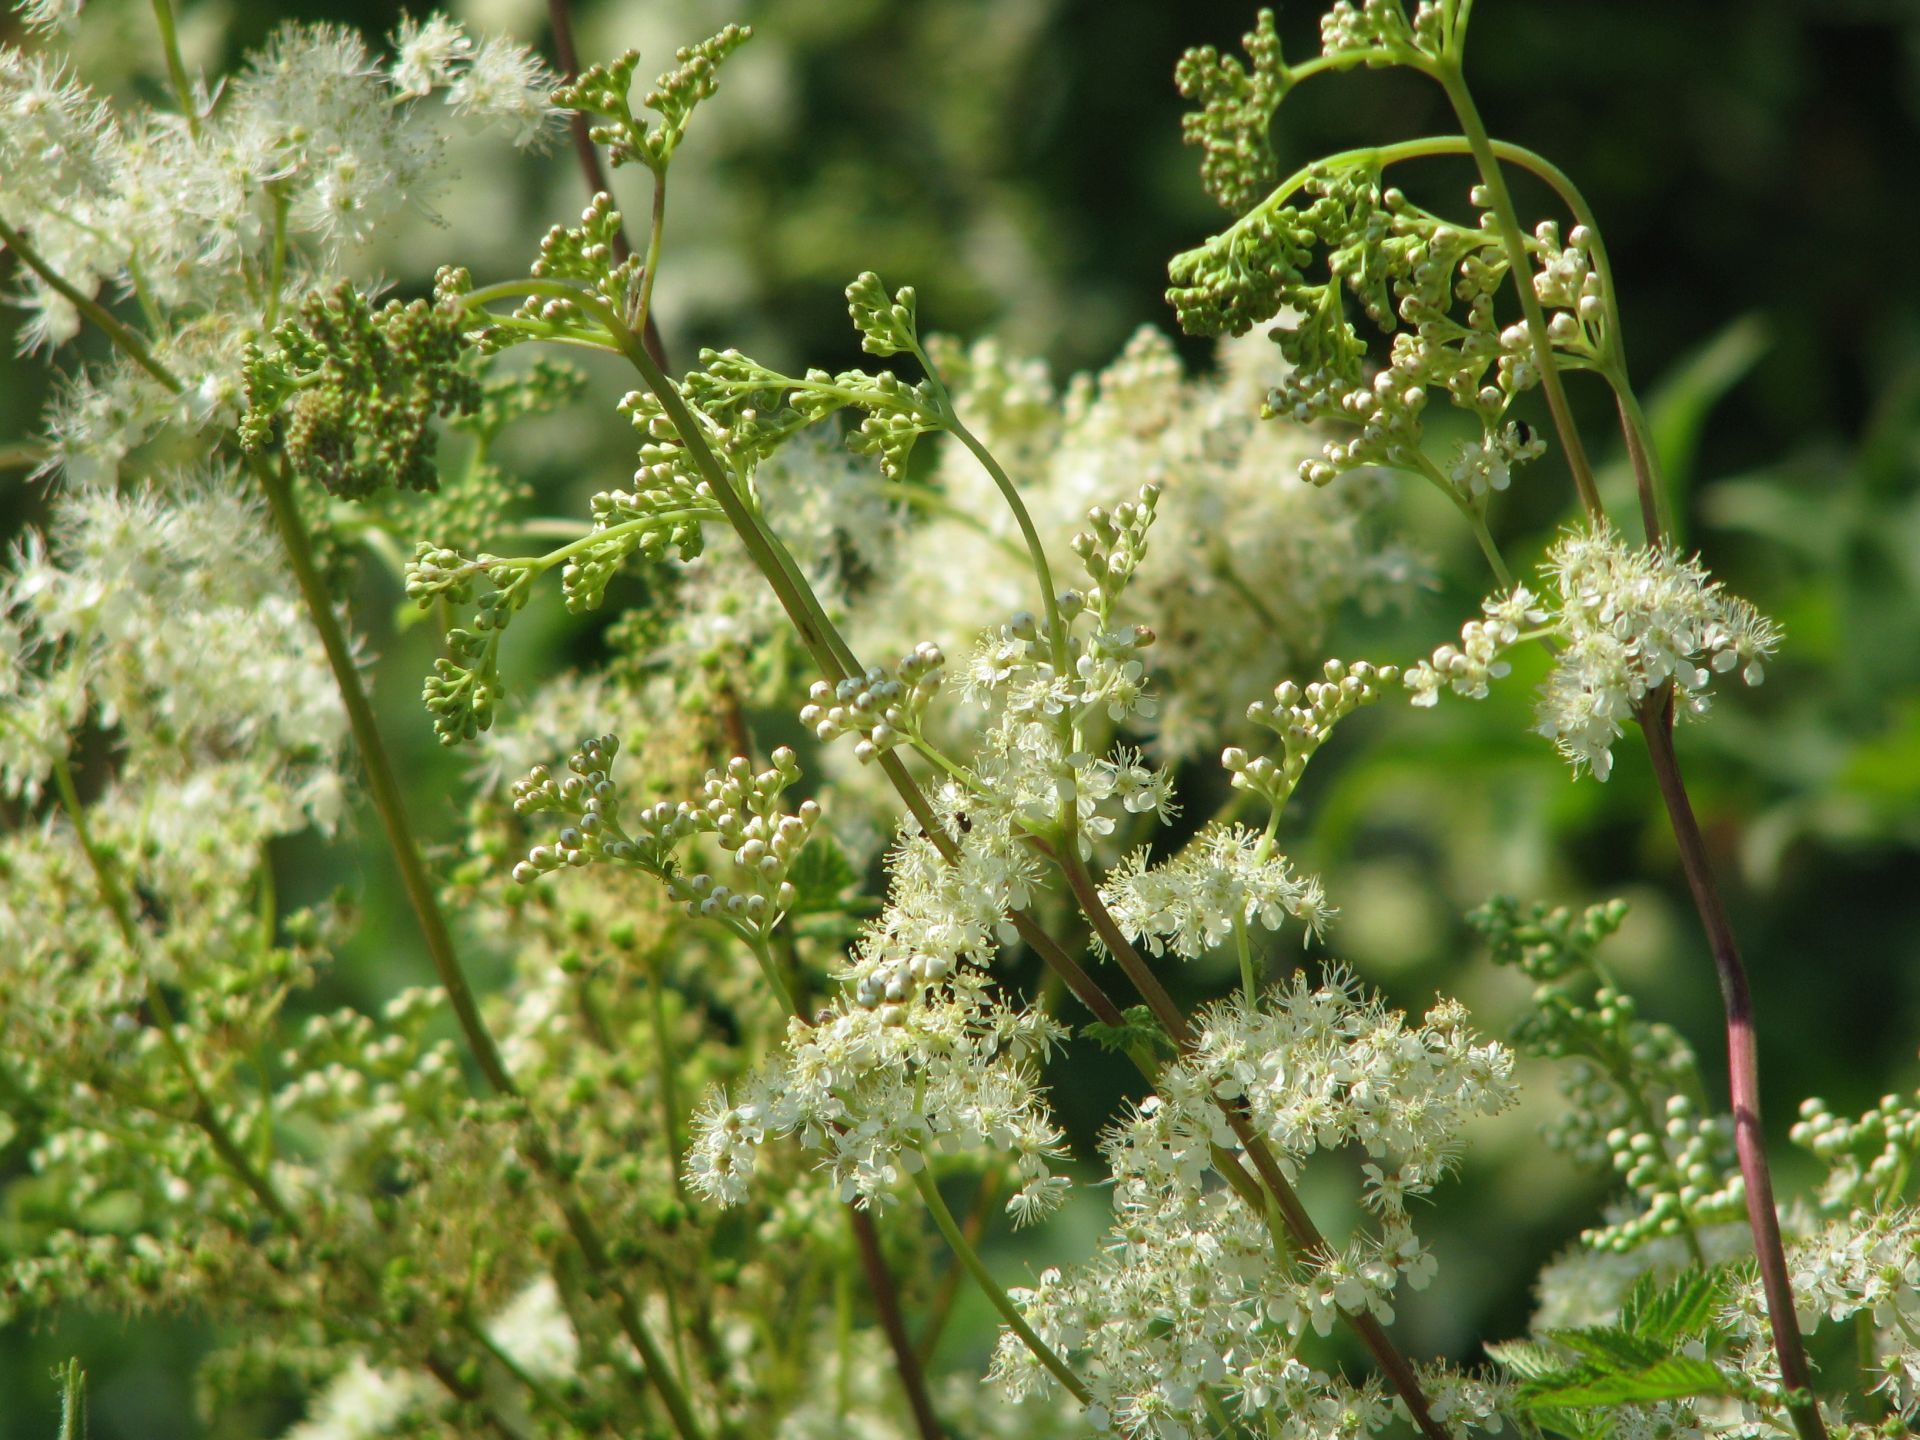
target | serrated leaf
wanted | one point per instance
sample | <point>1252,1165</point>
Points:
<point>1611,1347</point>
<point>1675,1377</point>
<point>1665,1313</point>
<point>1525,1358</point>
<point>819,876</point>
<point>1139,1028</point>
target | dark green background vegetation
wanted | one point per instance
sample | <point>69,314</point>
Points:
<point>1019,161</point>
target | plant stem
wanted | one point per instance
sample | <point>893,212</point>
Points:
<point>176,71</point>
<point>886,1301</point>
<point>1656,519</point>
<point>1743,1066</point>
<point>560,17</point>
<point>1001,1301</point>
<point>1521,270</point>
<point>670,1111</point>
<point>1036,552</point>
<point>973,1227</point>
<point>426,907</point>
<point>109,324</point>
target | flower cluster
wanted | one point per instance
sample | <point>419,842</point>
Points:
<point>917,1054</point>
<point>1626,622</point>
<point>1224,878</point>
<point>1312,1068</point>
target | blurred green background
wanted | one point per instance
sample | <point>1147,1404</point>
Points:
<point>1019,161</point>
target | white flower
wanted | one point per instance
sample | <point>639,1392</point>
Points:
<point>425,54</point>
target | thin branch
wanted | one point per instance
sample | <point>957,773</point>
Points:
<point>886,1302</point>
<point>560,17</point>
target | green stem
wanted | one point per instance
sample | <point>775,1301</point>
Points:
<point>1507,223</point>
<point>1249,984</point>
<point>426,907</point>
<point>942,1303</point>
<point>1036,552</point>
<point>176,71</point>
<point>997,1297</point>
<point>114,896</point>
<point>671,1117</point>
<point>116,331</point>
<point>277,266</point>
<point>385,790</point>
<point>1656,513</point>
<point>655,234</point>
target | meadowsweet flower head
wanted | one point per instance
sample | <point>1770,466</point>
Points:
<point>1626,621</point>
<point>1222,879</point>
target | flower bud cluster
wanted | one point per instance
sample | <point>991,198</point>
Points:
<point>645,522</point>
<point>1869,1159</point>
<point>1630,1083</point>
<point>1237,164</point>
<point>882,708</point>
<point>1303,718</point>
<point>1680,1177</point>
<point>436,571</point>
<point>463,691</point>
<point>1475,662</point>
<point>1112,547</point>
<point>1381,31</point>
<point>738,807</point>
<point>741,810</point>
<point>1571,289</point>
<point>604,90</point>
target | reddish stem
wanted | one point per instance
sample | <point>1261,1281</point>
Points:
<point>1743,1064</point>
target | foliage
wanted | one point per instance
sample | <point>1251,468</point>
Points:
<point>799,945</point>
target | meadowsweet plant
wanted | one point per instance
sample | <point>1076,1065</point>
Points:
<point>948,734</point>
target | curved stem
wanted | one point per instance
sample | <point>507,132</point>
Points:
<point>997,1297</point>
<point>941,1305</point>
<point>1036,552</point>
<point>1520,268</point>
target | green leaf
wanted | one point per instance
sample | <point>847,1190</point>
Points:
<point>1610,1346</point>
<point>819,876</point>
<point>1666,1313</point>
<point>1139,1031</point>
<point>1676,1377</point>
<point>1526,1358</point>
